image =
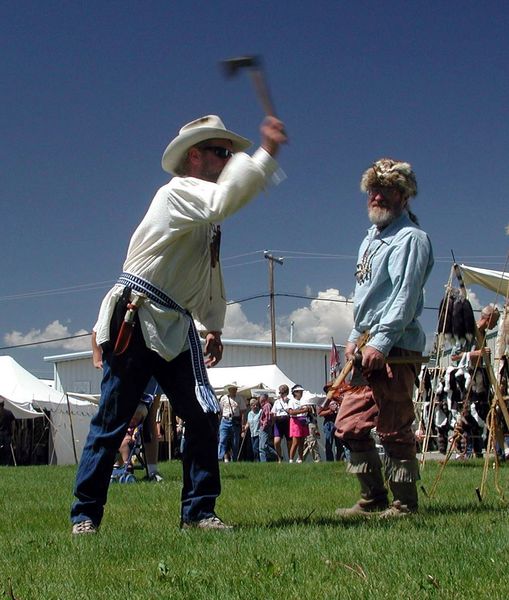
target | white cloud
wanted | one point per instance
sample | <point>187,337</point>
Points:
<point>237,326</point>
<point>328,316</point>
<point>54,330</point>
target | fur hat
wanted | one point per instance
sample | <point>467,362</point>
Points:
<point>388,172</point>
<point>209,127</point>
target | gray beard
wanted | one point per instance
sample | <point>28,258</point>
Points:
<point>382,217</point>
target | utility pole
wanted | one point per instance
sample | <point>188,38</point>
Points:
<point>272,260</point>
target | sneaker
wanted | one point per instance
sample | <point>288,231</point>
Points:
<point>154,478</point>
<point>290,460</point>
<point>395,511</point>
<point>84,527</point>
<point>207,523</point>
<point>299,460</point>
<point>363,509</point>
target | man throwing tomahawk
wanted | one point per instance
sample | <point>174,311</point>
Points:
<point>145,325</point>
<point>394,262</point>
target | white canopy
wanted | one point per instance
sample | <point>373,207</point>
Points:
<point>253,379</point>
<point>26,397</point>
<point>497,281</point>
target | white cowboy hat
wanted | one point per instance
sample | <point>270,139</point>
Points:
<point>229,386</point>
<point>206,128</point>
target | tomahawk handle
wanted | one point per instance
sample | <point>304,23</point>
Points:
<point>262,90</point>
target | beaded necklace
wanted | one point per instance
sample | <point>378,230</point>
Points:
<point>363,272</point>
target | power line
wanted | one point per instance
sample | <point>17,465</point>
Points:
<point>290,255</point>
<point>66,290</point>
<point>63,339</point>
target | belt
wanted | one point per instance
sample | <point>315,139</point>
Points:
<point>203,390</point>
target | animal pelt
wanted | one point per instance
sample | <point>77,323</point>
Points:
<point>389,172</point>
<point>442,410</point>
<point>463,321</point>
<point>445,315</point>
<point>480,396</point>
<point>503,375</point>
<point>456,384</point>
<point>425,383</point>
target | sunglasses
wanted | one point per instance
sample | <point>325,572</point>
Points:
<point>386,191</point>
<point>219,151</point>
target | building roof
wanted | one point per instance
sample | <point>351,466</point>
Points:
<point>226,342</point>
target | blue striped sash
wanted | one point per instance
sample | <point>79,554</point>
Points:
<point>204,391</point>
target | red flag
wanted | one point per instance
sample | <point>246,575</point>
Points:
<point>335,361</point>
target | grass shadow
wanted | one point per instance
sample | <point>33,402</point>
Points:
<point>469,463</point>
<point>444,508</point>
<point>420,520</point>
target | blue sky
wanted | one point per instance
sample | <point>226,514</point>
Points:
<point>93,91</point>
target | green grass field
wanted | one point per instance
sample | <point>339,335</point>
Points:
<point>287,544</point>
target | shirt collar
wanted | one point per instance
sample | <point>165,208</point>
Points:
<point>387,234</point>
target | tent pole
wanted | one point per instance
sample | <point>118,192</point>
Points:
<point>72,429</point>
<point>169,429</point>
<point>13,457</point>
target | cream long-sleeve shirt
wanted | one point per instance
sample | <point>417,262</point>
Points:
<point>171,249</point>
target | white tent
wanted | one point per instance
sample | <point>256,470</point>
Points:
<point>253,379</point>
<point>27,397</point>
<point>497,281</point>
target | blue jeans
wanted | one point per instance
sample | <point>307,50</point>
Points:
<point>124,379</point>
<point>229,438</point>
<point>333,445</point>
<point>255,445</point>
<point>266,446</point>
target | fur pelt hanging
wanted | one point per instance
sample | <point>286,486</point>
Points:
<point>456,318</point>
<point>445,315</point>
<point>503,375</point>
<point>458,323</point>
<point>463,321</point>
<point>425,383</point>
<point>455,385</point>
<point>442,410</point>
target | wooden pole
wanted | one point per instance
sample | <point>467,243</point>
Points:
<point>72,429</point>
<point>272,312</point>
<point>272,305</point>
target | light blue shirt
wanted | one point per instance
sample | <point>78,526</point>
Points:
<point>393,266</point>
<point>253,420</point>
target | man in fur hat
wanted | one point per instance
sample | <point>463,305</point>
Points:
<point>395,260</point>
<point>146,322</point>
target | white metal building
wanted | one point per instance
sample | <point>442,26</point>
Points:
<point>307,364</point>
